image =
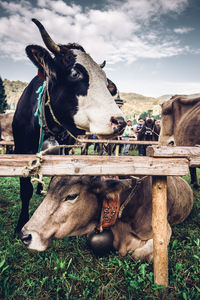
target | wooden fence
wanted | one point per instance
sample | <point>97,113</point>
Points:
<point>4,144</point>
<point>164,161</point>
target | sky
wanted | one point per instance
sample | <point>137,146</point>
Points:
<point>151,47</point>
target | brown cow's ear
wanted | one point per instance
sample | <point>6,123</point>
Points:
<point>96,184</point>
<point>42,59</point>
<point>112,87</point>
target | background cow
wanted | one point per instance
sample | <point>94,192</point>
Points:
<point>6,133</point>
<point>181,124</point>
<point>73,207</point>
<point>149,132</point>
<point>76,99</point>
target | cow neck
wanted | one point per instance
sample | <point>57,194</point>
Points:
<point>112,208</point>
<point>61,132</point>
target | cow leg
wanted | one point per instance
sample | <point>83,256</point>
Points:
<point>100,149</point>
<point>145,252</point>
<point>110,149</point>
<point>145,150</point>
<point>9,150</point>
<point>39,189</point>
<point>26,192</point>
<point>194,179</point>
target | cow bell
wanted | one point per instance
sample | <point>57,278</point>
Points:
<point>101,243</point>
<point>51,142</point>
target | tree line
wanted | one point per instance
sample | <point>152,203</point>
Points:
<point>3,101</point>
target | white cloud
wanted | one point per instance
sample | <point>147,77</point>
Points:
<point>120,32</point>
<point>182,30</point>
<point>146,9</point>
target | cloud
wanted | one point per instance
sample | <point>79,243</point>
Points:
<point>119,33</point>
<point>182,30</point>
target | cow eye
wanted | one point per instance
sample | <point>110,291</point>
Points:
<point>71,197</point>
<point>75,75</point>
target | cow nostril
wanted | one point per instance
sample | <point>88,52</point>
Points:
<point>119,121</point>
<point>114,121</point>
<point>171,143</point>
<point>26,238</point>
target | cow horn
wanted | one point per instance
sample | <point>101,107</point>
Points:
<point>50,44</point>
<point>103,64</point>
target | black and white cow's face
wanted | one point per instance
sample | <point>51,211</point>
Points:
<point>78,88</point>
<point>96,109</point>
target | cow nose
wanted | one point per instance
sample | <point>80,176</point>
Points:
<point>118,123</point>
<point>171,143</point>
<point>25,238</point>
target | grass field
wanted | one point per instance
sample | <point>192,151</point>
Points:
<point>68,269</point>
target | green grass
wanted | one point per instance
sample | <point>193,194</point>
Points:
<point>68,269</point>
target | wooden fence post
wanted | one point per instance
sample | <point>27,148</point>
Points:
<point>3,149</point>
<point>159,226</point>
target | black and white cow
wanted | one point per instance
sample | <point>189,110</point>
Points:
<point>76,99</point>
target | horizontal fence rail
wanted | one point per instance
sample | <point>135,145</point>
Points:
<point>132,142</point>
<point>13,165</point>
<point>119,142</point>
<point>7,143</point>
<point>191,153</point>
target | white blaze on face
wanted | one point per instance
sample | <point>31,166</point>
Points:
<point>98,106</point>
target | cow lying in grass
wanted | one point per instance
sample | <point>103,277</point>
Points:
<point>73,207</point>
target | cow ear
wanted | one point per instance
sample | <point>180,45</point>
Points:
<point>112,87</point>
<point>42,59</point>
<point>96,184</point>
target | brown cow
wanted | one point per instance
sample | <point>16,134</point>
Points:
<point>180,124</point>
<point>6,126</point>
<point>6,133</point>
<point>73,207</point>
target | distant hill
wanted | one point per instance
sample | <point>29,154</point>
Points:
<point>134,104</point>
<point>13,90</point>
<point>165,97</point>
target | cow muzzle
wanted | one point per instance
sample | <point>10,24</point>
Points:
<point>33,241</point>
<point>25,238</point>
<point>118,124</point>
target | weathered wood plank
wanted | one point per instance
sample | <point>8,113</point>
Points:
<point>13,165</point>
<point>118,142</point>
<point>178,151</point>
<point>191,153</point>
<point>159,227</point>
<point>7,143</point>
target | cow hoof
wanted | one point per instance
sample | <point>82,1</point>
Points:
<point>101,243</point>
<point>196,185</point>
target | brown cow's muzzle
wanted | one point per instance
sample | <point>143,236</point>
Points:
<point>118,124</point>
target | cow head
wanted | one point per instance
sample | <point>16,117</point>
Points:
<point>72,207</point>
<point>79,91</point>
<point>166,137</point>
<point>179,121</point>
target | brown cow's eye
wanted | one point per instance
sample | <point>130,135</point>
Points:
<point>71,197</point>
